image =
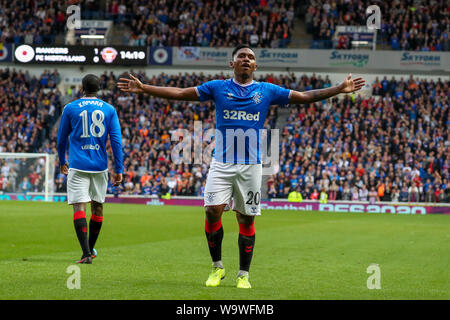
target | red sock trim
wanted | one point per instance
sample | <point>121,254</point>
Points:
<point>212,227</point>
<point>247,230</point>
<point>79,215</point>
<point>96,218</point>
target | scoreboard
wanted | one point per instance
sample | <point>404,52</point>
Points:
<point>88,55</point>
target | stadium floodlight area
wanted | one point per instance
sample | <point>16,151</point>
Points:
<point>25,173</point>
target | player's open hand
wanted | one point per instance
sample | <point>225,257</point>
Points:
<point>117,179</point>
<point>64,169</point>
<point>351,85</point>
<point>133,85</point>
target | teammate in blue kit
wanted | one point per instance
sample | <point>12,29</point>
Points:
<point>88,122</point>
<point>235,171</point>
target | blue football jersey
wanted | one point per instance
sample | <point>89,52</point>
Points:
<point>241,111</point>
<point>88,122</point>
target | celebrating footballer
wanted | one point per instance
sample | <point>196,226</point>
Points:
<point>235,171</point>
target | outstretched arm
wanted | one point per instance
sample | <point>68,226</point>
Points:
<point>134,85</point>
<point>347,86</point>
<point>62,138</point>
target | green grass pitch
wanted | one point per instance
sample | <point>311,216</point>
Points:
<point>157,252</point>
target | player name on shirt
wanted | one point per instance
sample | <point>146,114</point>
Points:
<point>85,103</point>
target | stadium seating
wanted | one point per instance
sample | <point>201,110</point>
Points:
<point>211,23</point>
<point>29,21</point>
<point>349,148</point>
<point>29,108</point>
<point>175,23</point>
<point>405,25</point>
<point>364,142</point>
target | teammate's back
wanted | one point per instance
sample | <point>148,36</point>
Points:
<point>88,122</point>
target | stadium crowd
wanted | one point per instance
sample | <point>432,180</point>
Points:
<point>262,23</point>
<point>29,108</point>
<point>353,148</point>
<point>391,146</point>
<point>405,24</point>
<point>31,21</point>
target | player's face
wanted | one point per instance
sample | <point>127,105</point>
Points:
<point>244,62</point>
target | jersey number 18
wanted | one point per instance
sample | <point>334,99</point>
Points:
<point>97,122</point>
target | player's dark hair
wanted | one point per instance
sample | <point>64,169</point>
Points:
<point>239,47</point>
<point>91,84</point>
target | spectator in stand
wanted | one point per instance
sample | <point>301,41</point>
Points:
<point>314,195</point>
<point>363,193</point>
<point>3,182</point>
<point>343,42</point>
<point>346,192</point>
<point>404,194</point>
<point>395,195</point>
<point>355,194</point>
<point>333,191</point>
<point>25,186</point>
<point>373,196</point>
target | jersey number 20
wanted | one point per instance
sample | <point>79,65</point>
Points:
<point>97,128</point>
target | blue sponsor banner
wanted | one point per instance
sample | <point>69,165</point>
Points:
<point>277,57</point>
<point>160,56</point>
<point>422,59</point>
<point>200,56</point>
<point>6,50</point>
<point>348,58</point>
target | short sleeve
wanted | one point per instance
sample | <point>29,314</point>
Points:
<point>279,95</point>
<point>206,91</point>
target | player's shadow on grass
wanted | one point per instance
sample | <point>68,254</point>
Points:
<point>46,259</point>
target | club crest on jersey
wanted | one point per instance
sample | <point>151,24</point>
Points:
<point>257,97</point>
